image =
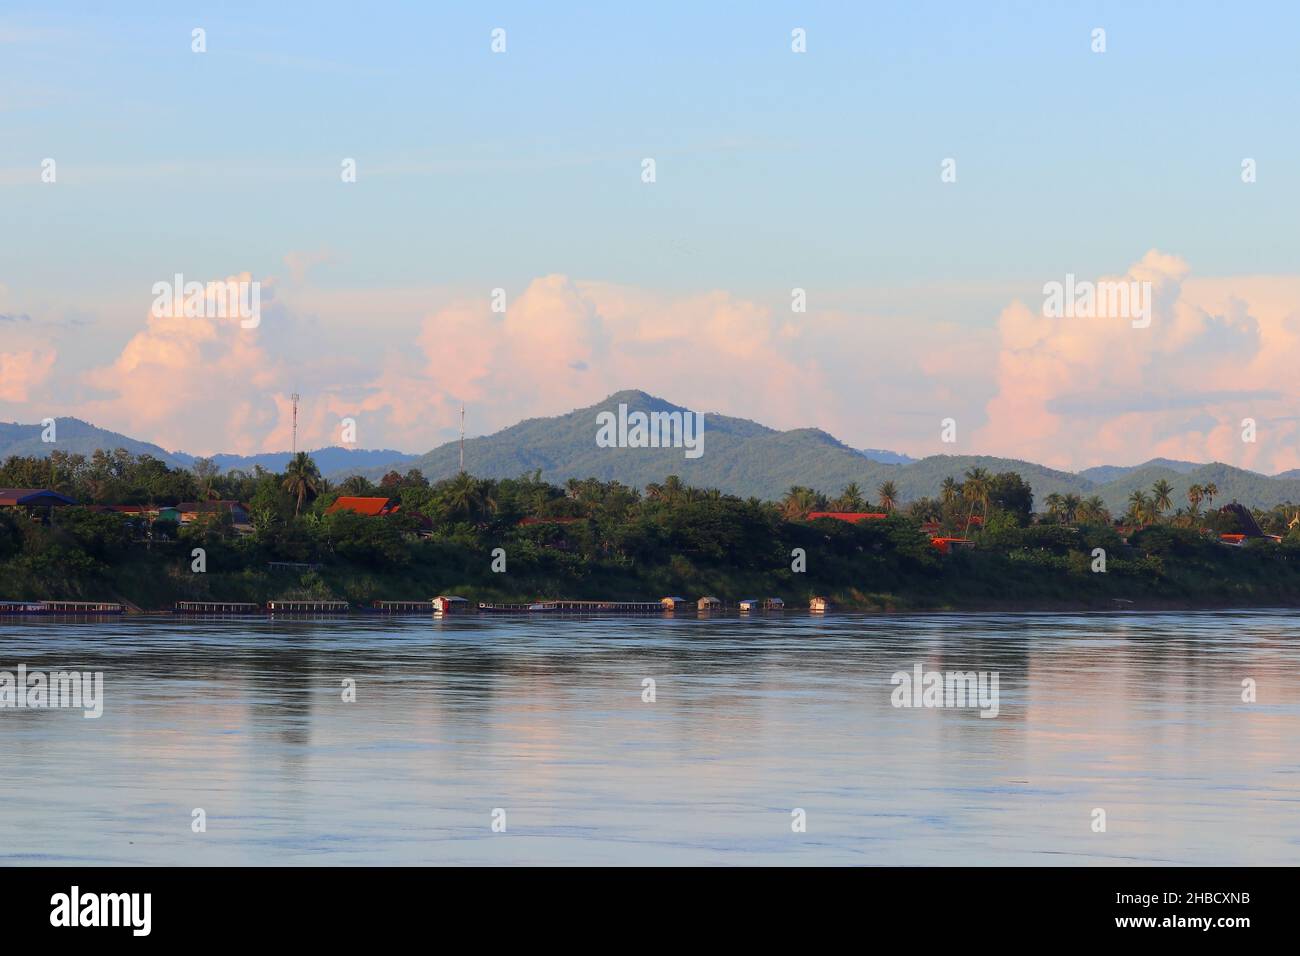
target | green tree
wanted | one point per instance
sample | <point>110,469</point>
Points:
<point>888,494</point>
<point>1161,496</point>
<point>302,478</point>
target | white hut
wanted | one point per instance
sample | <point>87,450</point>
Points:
<point>819,604</point>
<point>708,604</point>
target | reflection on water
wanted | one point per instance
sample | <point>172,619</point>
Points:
<point>1138,714</point>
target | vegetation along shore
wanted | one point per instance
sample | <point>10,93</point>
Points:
<point>123,527</point>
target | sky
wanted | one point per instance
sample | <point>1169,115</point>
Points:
<point>921,171</point>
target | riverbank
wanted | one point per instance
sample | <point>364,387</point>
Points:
<point>979,580</point>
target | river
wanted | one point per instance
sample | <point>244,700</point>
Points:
<point>771,740</point>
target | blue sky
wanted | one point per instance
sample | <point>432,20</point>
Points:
<point>482,168</point>
<point>774,169</point>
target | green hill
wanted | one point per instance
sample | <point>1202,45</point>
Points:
<point>740,456</point>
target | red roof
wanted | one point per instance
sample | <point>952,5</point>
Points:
<point>371,507</point>
<point>850,516</point>
<point>945,544</point>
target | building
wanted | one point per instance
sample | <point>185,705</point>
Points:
<point>188,512</point>
<point>852,517</point>
<point>370,507</point>
<point>32,498</point>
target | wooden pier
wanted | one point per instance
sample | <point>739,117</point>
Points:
<point>217,608</point>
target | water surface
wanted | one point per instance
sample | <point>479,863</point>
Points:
<point>1137,714</point>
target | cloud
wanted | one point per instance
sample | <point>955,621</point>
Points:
<point>1073,392</point>
<point>191,383</point>
<point>20,372</point>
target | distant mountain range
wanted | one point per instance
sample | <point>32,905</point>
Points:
<point>740,456</point>
<point>78,437</point>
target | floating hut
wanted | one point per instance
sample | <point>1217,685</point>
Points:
<point>819,604</point>
<point>672,603</point>
<point>451,604</point>
<point>762,604</point>
<point>216,607</point>
<point>307,607</point>
<point>708,604</point>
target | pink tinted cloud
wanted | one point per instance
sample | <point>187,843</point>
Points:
<point>1073,392</point>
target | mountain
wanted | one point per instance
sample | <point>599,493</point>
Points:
<point>740,456</point>
<point>1103,474</point>
<point>328,460</point>
<point>77,437</point>
<point>1234,484</point>
<point>887,457</point>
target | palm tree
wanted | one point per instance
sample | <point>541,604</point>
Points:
<point>798,501</point>
<point>1161,495</point>
<point>1055,504</point>
<point>949,491</point>
<point>1139,506</point>
<point>1093,511</point>
<point>1070,507</point>
<point>301,478</point>
<point>888,493</point>
<point>850,498</point>
<point>1194,496</point>
<point>1210,491</point>
<point>464,496</point>
<point>975,489</point>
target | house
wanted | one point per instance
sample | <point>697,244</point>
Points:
<point>190,511</point>
<point>32,498</point>
<point>708,604</point>
<point>530,521</point>
<point>946,545</point>
<point>370,507</point>
<point>819,604</point>
<point>672,603</point>
<point>852,517</point>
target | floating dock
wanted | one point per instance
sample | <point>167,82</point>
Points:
<point>577,607</point>
<point>217,608</point>
<point>81,608</point>
<point>402,607</point>
<point>308,607</point>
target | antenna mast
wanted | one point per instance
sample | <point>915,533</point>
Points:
<point>294,398</point>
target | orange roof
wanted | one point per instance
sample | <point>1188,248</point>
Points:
<point>371,507</point>
<point>851,516</point>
